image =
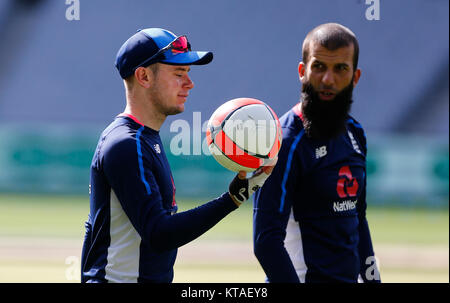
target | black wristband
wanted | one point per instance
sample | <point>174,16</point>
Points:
<point>239,189</point>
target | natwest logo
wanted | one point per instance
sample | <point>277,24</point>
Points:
<point>347,186</point>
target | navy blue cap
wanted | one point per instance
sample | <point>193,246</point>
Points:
<point>136,51</point>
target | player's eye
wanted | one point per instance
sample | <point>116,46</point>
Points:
<point>318,65</point>
<point>342,67</point>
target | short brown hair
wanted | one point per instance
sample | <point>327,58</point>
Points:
<point>332,36</point>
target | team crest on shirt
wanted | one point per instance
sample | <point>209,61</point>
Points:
<point>157,148</point>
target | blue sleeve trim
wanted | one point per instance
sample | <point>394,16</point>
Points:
<point>141,163</point>
<point>288,168</point>
<point>357,125</point>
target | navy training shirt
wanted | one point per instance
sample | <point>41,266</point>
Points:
<point>133,229</point>
<point>309,217</point>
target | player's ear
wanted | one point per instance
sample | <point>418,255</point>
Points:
<point>301,70</point>
<point>143,76</point>
<point>356,76</point>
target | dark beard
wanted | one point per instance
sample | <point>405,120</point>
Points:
<point>324,120</point>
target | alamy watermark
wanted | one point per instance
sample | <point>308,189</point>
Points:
<point>73,270</point>
<point>373,11</point>
<point>251,136</point>
<point>73,10</point>
<point>373,270</point>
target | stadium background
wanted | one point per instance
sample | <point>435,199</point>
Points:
<point>59,89</point>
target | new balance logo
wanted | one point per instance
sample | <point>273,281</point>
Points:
<point>157,148</point>
<point>321,152</point>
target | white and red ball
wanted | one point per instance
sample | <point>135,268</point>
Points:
<point>244,134</point>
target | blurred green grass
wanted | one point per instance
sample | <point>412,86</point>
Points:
<point>417,226</point>
<point>64,216</point>
<point>45,216</point>
<point>32,227</point>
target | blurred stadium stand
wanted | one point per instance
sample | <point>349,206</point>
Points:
<point>57,78</point>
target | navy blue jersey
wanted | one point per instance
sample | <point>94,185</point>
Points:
<point>309,217</point>
<point>133,230</point>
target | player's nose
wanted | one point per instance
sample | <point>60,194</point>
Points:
<point>328,78</point>
<point>189,84</point>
